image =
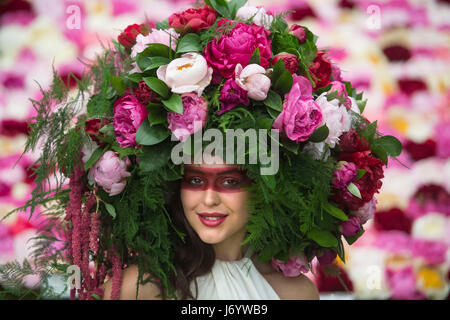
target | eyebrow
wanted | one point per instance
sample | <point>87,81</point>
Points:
<point>234,170</point>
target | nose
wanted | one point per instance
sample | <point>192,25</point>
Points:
<point>211,197</point>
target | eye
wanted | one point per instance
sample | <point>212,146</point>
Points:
<point>195,181</point>
<point>230,182</point>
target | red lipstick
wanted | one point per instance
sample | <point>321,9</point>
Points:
<point>212,219</point>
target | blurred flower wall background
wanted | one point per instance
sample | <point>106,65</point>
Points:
<point>397,51</point>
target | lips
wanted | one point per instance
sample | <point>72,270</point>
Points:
<point>212,219</point>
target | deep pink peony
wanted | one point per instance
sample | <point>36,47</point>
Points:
<point>231,96</point>
<point>432,252</point>
<point>292,268</point>
<point>351,227</point>
<point>129,114</point>
<point>402,284</point>
<point>237,46</point>
<point>110,172</point>
<point>344,173</point>
<point>195,111</point>
<point>300,115</point>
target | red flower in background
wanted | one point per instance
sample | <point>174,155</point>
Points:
<point>128,37</point>
<point>321,70</point>
<point>193,20</point>
<point>410,86</point>
<point>327,279</point>
<point>419,151</point>
<point>12,128</point>
<point>393,219</point>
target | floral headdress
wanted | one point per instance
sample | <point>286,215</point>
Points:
<point>225,65</point>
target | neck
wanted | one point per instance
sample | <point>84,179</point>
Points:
<point>231,248</point>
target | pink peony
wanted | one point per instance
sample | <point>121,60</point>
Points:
<point>300,115</point>
<point>351,227</point>
<point>237,46</point>
<point>129,114</point>
<point>402,284</point>
<point>231,96</point>
<point>344,173</point>
<point>110,172</point>
<point>167,37</point>
<point>292,268</point>
<point>195,111</point>
<point>432,252</point>
<point>394,241</point>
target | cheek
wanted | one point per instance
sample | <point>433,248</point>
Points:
<point>237,202</point>
<point>189,199</point>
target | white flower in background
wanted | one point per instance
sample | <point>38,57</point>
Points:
<point>190,73</point>
<point>253,79</point>
<point>431,226</point>
<point>336,118</point>
<point>432,282</point>
<point>259,16</point>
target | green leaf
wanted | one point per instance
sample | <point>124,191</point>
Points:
<point>134,77</point>
<point>323,238</point>
<point>154,157</point>
<point>234,6</point>
<point>380,153</point>
<point>118,84</point>
<point>360,174</point>
<point>221,6</point>
<point>143,62</point>
<point>320,134</point>
<point>369,132</point>
<point>278,70</point>
<point>189,43</point>
<point>98,106</point>
<point>94,158</point>
<point>353,189</point>
<point>157,86</point>
<point>335,212</point>
<point>274,101</point>
<point>351,240</point>
<point>111,210</point>
<point>273,113</point>
<point>390,144</point>
<point>156,62</point>
<point>270,181</point>
<point>149,135</point>
<point>174,104</point>
<point>157,114</point>
<point>291,146</point>
<point>156,50</point>
<point>255,58</point>
<point>265,123</point>
<point>361,105</point>
<point>284,82</point>
<point>162,25</point>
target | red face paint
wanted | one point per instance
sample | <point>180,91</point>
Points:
<point>225,180</point>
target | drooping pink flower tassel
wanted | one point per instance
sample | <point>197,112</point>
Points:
<point>95,229</point>
<point>85,230</point>
<point>117,276</point>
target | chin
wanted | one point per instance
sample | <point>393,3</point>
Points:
<point>210,237</point>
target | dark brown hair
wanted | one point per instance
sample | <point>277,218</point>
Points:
<point>193,257</point>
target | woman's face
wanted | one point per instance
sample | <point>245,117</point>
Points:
<point>214,201</point>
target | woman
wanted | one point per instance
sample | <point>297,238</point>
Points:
<point>212,207</point>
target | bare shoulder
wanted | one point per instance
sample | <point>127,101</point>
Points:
<point>293,288</point>
<point>148,291</point>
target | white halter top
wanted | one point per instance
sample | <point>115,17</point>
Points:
<point>234,280</point>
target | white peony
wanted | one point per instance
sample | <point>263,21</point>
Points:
<point>190,73</point>
<point>259,16</point>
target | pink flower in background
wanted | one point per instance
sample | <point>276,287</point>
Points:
<point>433,252</point>
<point>292,268</point>
<point>110,172</point>
<point>367,211</point>
<point>6,242</point>
<point>396,242</point>
<point>344,173</point>
<point>231,95</point>
<point>402,284</point>
<point>195,111</point>
<point>351,227</point>
<point>253,79</point>
<point>442,134</point>
<point>237,47</point>
<point>300,115</point>
<point>129,114</point>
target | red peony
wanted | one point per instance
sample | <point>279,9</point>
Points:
<point>144,94</point>
<point>393,219</point>
<point>369,184</point>
<point>92,128</point>
<point>237,47</point>
<point>290,61</point>
<point>321,71</point>
<point>351,142</point>
<point>193,20</point>
<point>128,37</point>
